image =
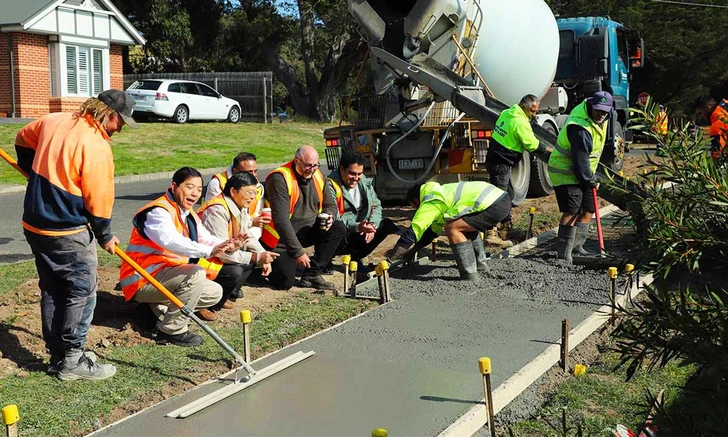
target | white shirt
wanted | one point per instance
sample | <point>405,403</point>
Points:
<point>355,194</point>
<point>160,228</point>
<point>214,188</point>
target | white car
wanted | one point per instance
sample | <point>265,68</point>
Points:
<point>182,100</point>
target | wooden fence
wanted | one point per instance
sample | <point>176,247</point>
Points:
<point>254,91</point>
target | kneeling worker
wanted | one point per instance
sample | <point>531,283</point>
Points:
<point>170,243</point>
<point>572,169</point>
<point>226,216</point>
<point>463,210</point>
<point>359,207</point>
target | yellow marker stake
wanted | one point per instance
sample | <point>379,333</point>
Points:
<point>579,369</point>
<point>345,260</point>
<point>485,369</point>
<point>10,420</point>
<point>384,266</point>
<point>246,319</point>
<point>380,282</point>
<point>613,293</point>
<point>531,214</point>
<point>353,267</point>
<point>629,270</point>
<point>379,432</point>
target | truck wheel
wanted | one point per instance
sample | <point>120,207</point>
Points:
<point>540,184</point>
<point>520,175</point>
<point>613,155</point>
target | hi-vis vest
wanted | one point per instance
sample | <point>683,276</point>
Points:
<point>561,169</point>
<point>254,204</point>
<point>152,257</point>
<point>270,236</point>
<point>223,178</point>
<point>459,199</point>
<point>339,196</point>
<point>233,226</point>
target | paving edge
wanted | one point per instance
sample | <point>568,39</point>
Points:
<point>477,417</point>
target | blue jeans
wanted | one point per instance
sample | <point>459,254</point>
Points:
<point>68,279</point>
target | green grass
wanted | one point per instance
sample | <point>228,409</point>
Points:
<point>160,146</point>
<point>12,275</point>
<point>51,407</point>
<point>601,399</point>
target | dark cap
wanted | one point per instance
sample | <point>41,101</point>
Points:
<point>122,103</point>
<point>601,101</point>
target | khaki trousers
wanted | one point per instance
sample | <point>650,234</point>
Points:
<point>189,284</point>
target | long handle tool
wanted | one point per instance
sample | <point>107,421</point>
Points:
<point>599,221</point>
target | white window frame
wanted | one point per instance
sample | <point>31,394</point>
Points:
<point>62,73</point>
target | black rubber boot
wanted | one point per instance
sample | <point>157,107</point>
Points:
<point>582,234</point>
<point>465,259</point>
<point>565,242</point>
<point>481,256</point>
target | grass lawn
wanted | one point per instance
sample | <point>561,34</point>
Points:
<point>161,146</point>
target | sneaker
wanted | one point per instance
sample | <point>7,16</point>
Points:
<point>186,339</point>
<point>207,315</point>
<point>237,294</point>
<point>88,369</point>
<point>316,282</point>
<point>56,363</point>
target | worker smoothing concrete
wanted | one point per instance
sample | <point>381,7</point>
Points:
<point>68,205</point>
<point>462,210</point>
<point>512,136</point>
<point>572,169</point>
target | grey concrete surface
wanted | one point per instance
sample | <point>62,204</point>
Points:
<point>409,366</point>
<point>132,192</point>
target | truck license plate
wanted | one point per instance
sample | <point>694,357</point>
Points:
<point>411,164</point>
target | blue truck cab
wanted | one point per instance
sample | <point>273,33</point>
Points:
<point>598,54</point>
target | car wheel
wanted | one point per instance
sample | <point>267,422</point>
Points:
<point>613,155</point>
<point>234,115</point>
<point>540,183</point>
<point>181,114</point>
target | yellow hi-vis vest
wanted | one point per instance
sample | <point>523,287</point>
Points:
<point>339,196</point>
<point>443,203</point>
<point>270,236</point>
<point>561,168</point>
<point>152,257</point>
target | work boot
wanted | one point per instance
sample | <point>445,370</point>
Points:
<point>185,339</point>
<point>315,281</point>
<point>465,260</point>
<point>582,233</point>
<point>206,315</point>
<point>78,365</point>
<point>237,294</point>
<point>565,242</point>
<point>493,239</point>
<point>481,256</point>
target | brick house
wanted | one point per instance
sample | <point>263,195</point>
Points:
<point>54,54</point>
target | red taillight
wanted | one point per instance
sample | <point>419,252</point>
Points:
<point>480,134</point>
<point>161,96</point>
<point>332,143</point>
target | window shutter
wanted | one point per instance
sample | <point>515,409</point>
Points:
<point>71,73</point>
<point>83,72</point>
<point>97,69</point>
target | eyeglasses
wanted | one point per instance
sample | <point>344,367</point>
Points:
<point>250,193</point>
<point>309,166</point>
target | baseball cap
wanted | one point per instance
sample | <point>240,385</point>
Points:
<point>601,101</point>
<point>122,103</point>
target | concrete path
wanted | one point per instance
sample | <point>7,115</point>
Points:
<point>410,366</point>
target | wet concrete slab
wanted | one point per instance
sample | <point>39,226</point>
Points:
<point>409,366</point>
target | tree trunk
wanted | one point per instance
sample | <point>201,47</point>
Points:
<point>308,51</point>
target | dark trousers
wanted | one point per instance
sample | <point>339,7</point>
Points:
<point>231,277</point>
<point>68,279</point>
<point>500,176</point>
<point>325,243</point>
<point>356,246</point>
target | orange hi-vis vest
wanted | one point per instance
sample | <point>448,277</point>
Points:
<point>254,204</point>
<point>270,236</point>
<point>339,196</point>
<point>223,178</point>
<point>152,257</point>
<point>233,227</point>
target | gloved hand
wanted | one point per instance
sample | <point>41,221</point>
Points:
<point>397,252</point>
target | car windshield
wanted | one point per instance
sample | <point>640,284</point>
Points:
<point>151,85</point>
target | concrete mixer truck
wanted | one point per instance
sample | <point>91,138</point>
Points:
<point>443,70</point>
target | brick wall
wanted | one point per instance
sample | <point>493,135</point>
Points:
<point>116,67</point>
<point>65,104</point>
<point>32,75</point>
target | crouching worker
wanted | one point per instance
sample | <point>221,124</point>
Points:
<point>169,242</point>
<point>226,216</point>
<point>462,210</point>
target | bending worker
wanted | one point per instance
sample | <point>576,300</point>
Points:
<point>297,193</point>
<point>463,210</point>
<point>709,111</point>
<point>512,136</point>
<point>170,243</point>
<point>67,209</point>
<point>226,216</point>
<point>359,208</point>
<point>572,168</point>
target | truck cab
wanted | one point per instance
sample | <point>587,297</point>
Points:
<point>598,54</point>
